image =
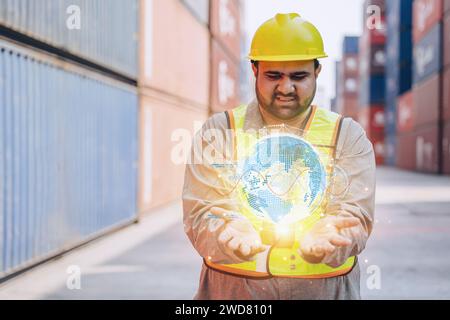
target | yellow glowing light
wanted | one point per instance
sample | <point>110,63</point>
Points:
<point>282,229</point>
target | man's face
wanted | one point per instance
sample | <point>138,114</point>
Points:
<point>285,89</point>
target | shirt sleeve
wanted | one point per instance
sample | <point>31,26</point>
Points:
<point>354,193</point>
<point>205,188</point>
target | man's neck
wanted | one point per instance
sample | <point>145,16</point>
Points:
<point>296,122</point>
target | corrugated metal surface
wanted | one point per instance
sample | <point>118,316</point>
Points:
<point>406,151</point>
<point>446,6</point>
<point>426,101</point>
<point>350,64</point>
<point>350,108</point>
<point>165,130</point>
<point>68,143</point>
<point>390,145</point>
<point>224,80</point>
<point>428,54</point>
<point>447,41</point>
<point>399,14</point>
<point>446,95</point>
<point>350,45</point>
<point>405,113</point>
<point>372,90</point>
<point>379,148</point>
<point>446,149</point>
<point>426,13</point>
<point>374,119</point>
<point>199,8</point>
<point>419,150</point>
<point>390,124</point>
<point>399,49</point>
<point>225,25</point>
<point>107,33</point>
<point>373,60</point>
<point>169,72</point>
<point>428,149</point>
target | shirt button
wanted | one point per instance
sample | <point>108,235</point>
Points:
<point>293,257</point>
<point>292,266</point>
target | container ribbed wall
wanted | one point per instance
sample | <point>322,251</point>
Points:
<point>107,35</point>
<point>68,154</point>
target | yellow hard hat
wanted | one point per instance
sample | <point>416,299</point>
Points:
<point>286,37</point>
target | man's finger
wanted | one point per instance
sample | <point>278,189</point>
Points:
<point>349,222</point>
<point>225,236</point>
<point>244,249</point>
<point>220,213</point>
<point>323,248</point>
<point>340,241</point>
<point>234,243</point>
<point>258,248</point>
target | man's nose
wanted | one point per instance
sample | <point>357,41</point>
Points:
<point>286,86</point>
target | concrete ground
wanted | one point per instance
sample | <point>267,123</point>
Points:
<point>407,256</point>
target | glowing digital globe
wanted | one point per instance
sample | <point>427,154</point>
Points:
<point>283,178</point>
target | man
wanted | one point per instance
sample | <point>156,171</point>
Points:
<point>244,259</point>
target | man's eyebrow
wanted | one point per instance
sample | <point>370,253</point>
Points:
<point>296,73</point>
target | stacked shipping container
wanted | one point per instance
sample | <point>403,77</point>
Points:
<point>371,75</point>
<point>446,92</point>
<point>174,93</point>
<point>398,76</point>
<point>68,133</point>
<point>104,32</point>
<point>225,51</point>
<point>420,146</point>
<point>188,71</point>
<point>347,80</point>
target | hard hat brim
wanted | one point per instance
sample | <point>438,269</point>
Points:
<point>287,57</point>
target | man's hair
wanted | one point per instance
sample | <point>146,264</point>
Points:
<point>316,63</point>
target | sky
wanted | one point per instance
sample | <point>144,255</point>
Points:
<point>334,19</point>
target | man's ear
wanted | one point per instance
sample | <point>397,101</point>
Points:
<point>317,71</point>
<point>255,70</point>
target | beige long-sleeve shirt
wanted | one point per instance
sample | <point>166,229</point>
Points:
<point>203,190</point>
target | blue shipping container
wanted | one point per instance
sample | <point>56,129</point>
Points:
<point>68,154</point>
<point>372,90</point>
<point>399,13</point>
<point>428,55</point>
<point>351,45</point>
<point>104,32</point>
<point>390,144</point>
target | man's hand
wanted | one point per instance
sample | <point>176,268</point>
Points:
<point>324,237</point>
<point>238,235</point>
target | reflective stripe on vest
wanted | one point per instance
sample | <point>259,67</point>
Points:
<point>321,131</point>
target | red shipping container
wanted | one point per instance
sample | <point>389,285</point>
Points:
<point>225,25</point>
<point>224,80</point>
<point>373,36</point>
<point>426,13</point>
<point>426,100</point>
<point>447,40</point>
<point>350,108</point>
<point>405,112</point>
<point>406,151</point>
<point>373,119</point>
<point>446,149</point>
<point>446,95</point>
<point>377,140</point>
<point>350,65</point>
<point>427,149</point>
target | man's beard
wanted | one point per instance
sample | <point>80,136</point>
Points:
<point>291,111</point>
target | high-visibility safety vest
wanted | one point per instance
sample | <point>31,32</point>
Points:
<point>283,259</point>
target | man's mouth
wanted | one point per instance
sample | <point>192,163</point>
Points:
<point>285,99</point>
